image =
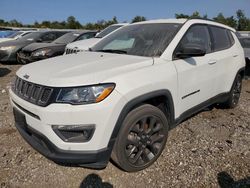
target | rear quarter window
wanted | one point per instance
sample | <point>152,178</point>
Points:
<point>221,40</point>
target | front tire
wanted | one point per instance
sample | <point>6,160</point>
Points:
<point>142,138</point>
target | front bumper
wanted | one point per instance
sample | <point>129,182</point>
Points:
<point>24,59</point>
<point>43,145</point>
<point>36,128</point>
<point>6,56</point>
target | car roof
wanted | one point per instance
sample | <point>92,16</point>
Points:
<point>183,21</point>
<point>121,24</point>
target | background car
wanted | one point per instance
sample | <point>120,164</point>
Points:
<point>39,51</point>
<point>9,49</point>
<point>15,35</point>
<point>86,44</point>
<point>245,42</point>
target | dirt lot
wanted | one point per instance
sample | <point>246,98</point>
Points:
<point>211,149</point>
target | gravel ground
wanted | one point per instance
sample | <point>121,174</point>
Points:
<point>211,149</point>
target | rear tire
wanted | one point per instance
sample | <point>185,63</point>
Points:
<point>234,94</point>
<point>142,138</point>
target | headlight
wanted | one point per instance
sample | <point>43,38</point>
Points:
<point>7,48</point>
<point>85,95</point>
<point>42,52</point>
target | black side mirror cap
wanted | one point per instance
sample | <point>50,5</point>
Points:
<point>190,50</point>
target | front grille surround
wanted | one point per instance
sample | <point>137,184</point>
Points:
<point>33,93</point>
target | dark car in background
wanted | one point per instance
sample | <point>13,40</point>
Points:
<point>245,42</point>
<point>9,49</point>
<point>39,51</point>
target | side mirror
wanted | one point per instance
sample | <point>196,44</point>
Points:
<point>190,50</point>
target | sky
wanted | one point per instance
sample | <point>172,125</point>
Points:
<point>29,11</point>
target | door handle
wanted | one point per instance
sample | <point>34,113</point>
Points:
<point>212,62</point>
<point>235,55</point>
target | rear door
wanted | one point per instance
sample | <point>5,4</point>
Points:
<point>196,74</point>
<point>226,58</point>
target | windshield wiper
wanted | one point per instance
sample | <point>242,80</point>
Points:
<point>113,51</point>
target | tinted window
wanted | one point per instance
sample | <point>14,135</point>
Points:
<point>87,36</point>
<point>32,36</point>
<point>221,39</point>
<point>148,40</point>
<point>197,35</point>
<point>231,38</point>
<point>48,37</point>
<point>67,38</point>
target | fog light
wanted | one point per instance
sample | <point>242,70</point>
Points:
<point>74,133</point>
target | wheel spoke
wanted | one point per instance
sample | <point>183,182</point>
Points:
<point>157,128</point>
<point>136,128</point>
<point>132,139</point>
<point>157,138</point>
<point>137,156</point>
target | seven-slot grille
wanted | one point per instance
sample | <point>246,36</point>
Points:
<point>71,51</point>
<point>34,93</point>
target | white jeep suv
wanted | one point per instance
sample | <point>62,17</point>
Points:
<point>121,99</point>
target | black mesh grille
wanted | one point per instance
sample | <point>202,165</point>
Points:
<point>71,51</point>
<point>36,94</point>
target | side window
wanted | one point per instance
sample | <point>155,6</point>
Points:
<point>221,39</point>
<point>197,35</point>
<point>231,38</point>
<point>49,37</point>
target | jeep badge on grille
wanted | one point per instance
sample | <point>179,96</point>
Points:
<point>26,76</point>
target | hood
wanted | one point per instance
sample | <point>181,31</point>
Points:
<point>5,39</point>
<point>85,68</point>
<point>35,46</point>
<point>247,52</point>
<point>84,44</point>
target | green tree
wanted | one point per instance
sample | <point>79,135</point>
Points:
<point>72,23</point>
<point>178,16</point>
<point>138,19</point>
<point>230,21</point>
<point>243,22</point>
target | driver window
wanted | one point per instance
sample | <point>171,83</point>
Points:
<point>49,37</point>
<point>197,35</point>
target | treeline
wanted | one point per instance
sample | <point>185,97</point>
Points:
<point>238,21</point>
<point>70,23</point>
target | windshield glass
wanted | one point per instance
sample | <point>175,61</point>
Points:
<point>32,36</point>
<point>15,34</point>
<point>4,34</point>
<point>67,38</point>
<point>148,40</point>
<point>108,30</point>
<point>245,42</point>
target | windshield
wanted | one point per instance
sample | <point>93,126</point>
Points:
<point>108,30</point>
<point>245,42</point>
<point>67,38</point>
<point>32,36</point>
<point>148,40</point>
<point>4,34</point>
<point>15,34</point>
